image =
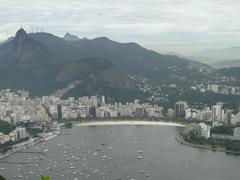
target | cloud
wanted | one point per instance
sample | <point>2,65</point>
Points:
<point>146,21</point>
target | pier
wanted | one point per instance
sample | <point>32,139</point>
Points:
<point>31,152</point>
<point>13,162</point>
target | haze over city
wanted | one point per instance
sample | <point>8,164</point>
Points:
<point>182,26</point>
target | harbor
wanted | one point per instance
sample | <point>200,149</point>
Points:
<point>116,152</point>
<point>20,147</point>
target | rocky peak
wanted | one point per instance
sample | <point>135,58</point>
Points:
<point>70,37</point>
<point>20,37</point>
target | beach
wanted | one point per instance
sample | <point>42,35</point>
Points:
<point>128,122</point>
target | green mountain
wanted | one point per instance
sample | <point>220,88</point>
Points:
<point>29,64</point>
<point>130,58</point>
<point>42,63</point>
<point>230,72</point>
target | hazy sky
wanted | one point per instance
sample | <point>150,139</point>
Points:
<point>165,25</point>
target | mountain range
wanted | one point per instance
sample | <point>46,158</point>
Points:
<point>227,63</point>
<point>217,58</point>
<point>222,54</point>
<point>42,62</point>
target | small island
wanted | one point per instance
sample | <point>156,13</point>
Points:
<point>219,138</point>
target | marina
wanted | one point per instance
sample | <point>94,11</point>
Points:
<point>20,147</point>
<point>116,152</point>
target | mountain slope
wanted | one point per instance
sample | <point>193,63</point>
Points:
<point>138,61</point>
<point>128,57</point>
<point>233,73</point>
<point>28,63</point>
<point>230,72</point>
<point>42,62</point>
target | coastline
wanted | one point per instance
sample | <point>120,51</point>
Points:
<point>23,145</point>
<point>128,122</point>
<point>180,140</point>
<point>28,144</point>
<point>93,123</point>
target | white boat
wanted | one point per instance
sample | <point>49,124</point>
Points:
<point>140,157</point>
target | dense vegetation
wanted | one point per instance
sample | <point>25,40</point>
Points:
<point>7,146</point>
<point>231,72</point>
<point>34,131</point>
<point>112,94</point>
<point>198,99</point>
<point>68,125</point>
<point>225,130</point>
<point>45,178</point>
<point>191,136</point>
<point>5,127</point>
<point>232,145</point>
<point>2,178</point>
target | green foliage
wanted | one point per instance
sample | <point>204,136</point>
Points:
<point>68,125</point>
<point>7,146</point>
<point>34,131</point>
<point>2,178</point>
<point>45,178</point>
<point>226,130</point>
<point>232,145</point>
<point>129,95</point>
<point>230,72</point>
<point>198,99</point>
<point>195,98</point>
<point>5,127</point>
<point>191,136</point>
<point>96,86</point>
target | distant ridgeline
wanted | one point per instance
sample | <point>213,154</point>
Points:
<point>43,63</point>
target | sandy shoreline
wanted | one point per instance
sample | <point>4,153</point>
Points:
<point>107,123</point>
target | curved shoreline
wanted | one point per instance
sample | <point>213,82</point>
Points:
<point>180,140</point>
<point>128,122</point>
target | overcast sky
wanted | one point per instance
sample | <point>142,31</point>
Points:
<point>164,25</point>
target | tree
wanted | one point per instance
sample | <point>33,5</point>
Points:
<point>2,178</point>
<point>5,127</point>
<point>45,178</point>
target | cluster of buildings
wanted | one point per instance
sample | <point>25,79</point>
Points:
<point>96,107</point>
<point>216,88</point>
<point>204,130</point>
<point>18,133</point>
<point>18,107</point>
<point>217,114</point>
